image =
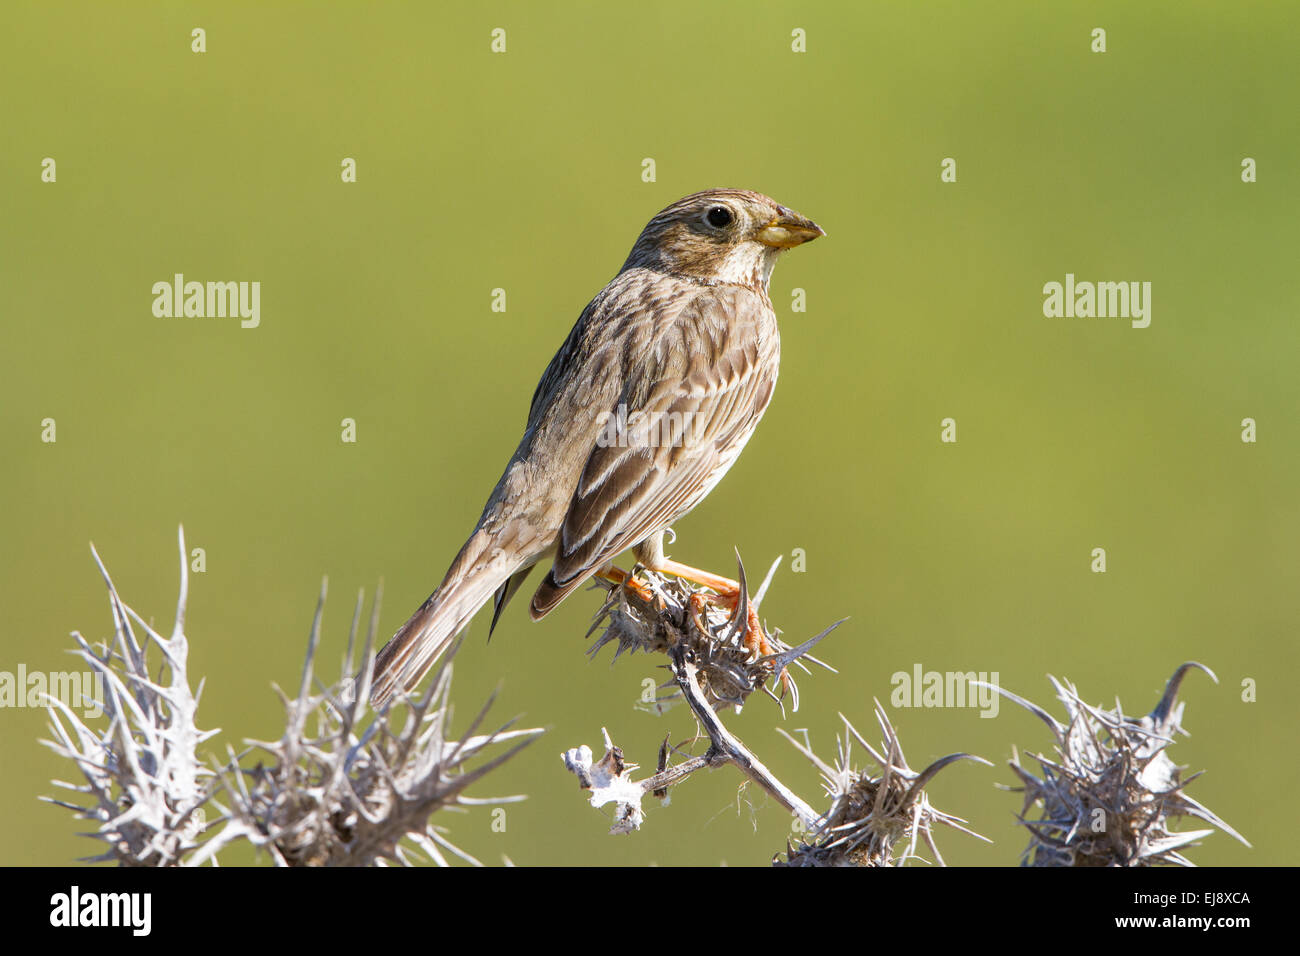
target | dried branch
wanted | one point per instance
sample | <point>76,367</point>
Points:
<point>724,746</point>
<point>610,781</point>
<point>712,670</point>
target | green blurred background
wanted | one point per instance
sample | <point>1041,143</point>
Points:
<point>523,171</point>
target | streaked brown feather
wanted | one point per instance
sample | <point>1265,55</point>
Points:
<point>720,365</point>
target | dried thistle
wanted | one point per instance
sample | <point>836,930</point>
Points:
<point>348,795</point>
<point>728,671</point>
<point>871,816</point>
<point>610,779</point>
<point>144,780</point>
<point>712,669</point>
<point>1113,793</point>
<point>353,791</point>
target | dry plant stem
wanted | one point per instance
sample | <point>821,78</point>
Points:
<point>725,747</point>
<point>664,779</point>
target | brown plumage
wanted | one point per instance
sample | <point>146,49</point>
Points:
<point>640,413</point>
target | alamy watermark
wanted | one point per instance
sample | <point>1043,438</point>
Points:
<point>1102,300</point>
<point>211,300</point>
<point>131,911</point>
<point>922,688</point>
<point>82,690</point>
<point>623,429</point>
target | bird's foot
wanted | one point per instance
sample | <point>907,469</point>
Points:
<point>616,575</point>
<point>728,594</point>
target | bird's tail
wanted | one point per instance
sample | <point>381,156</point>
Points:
<point>480,569</point>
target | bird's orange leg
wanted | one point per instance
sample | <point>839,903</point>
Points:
<point>724,586</point>
<point>729,596</point>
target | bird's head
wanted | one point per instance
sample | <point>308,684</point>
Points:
<point>721,235</point>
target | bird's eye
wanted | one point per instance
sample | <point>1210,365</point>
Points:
<point>719,216</point>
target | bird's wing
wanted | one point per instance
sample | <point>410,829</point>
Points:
<point>708,377</point>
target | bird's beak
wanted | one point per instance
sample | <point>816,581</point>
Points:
<point>788,229</point>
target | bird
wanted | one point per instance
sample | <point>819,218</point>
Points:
<point>643,409</point>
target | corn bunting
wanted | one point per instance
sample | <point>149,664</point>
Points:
<point>641,412</point>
